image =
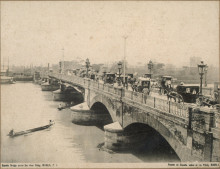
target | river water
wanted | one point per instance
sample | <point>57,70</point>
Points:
<point>25,106</point>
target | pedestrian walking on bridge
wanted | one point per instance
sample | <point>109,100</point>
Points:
<point>145,92</point>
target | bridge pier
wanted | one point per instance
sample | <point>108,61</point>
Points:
<point>83,107</point>
<point>67,93</point>
<point>117,139</point>
<point>87,91</point>
<point>50,85</point>
<point>82,114</point>
<point>200,137</point>
<point>114,137</point>
<point>58,95</point>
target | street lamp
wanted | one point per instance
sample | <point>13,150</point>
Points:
<point>119,72</point>
<point>201,68</point>
<point>125,38</point>
<point>87,67</point>
<point>150,66</point>
<point>104,73</point>
<point>60,67</point>
<point>206,70</point>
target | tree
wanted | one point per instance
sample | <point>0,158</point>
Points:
<point>97,67</point>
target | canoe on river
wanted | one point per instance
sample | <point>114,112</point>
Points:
<point>14,134</point>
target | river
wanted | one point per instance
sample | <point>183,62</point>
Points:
<point>25,106</point>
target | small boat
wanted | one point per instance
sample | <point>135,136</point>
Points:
<point>6,80</point>
<point>22,77</point>
<point>60,107</point>
<point>63,107</point>
<point>14,134</point>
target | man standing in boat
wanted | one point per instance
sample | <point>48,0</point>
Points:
<point>60,106</point>
<point>11,133</point>
<point>51,122</point>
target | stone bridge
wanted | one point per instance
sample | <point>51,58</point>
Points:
<point>191,131</point>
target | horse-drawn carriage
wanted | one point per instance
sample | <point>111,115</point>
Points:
<point>141,84</point>
<point>182,93</point>
<point>213,101</point>
<point>189,93</point>
<point>165,84</point>
<point>131,79</point>
<point>92,76</point>
<point>122,79</point>
<point>109,78</point>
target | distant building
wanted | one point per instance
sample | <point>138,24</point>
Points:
<point>194,61</point>
<point>3,72</point>
<point>169,66</point>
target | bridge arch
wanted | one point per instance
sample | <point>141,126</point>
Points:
<point>179,148</point>
<point>151,142</point>
<point>99,101</point>
<point>99,108</point>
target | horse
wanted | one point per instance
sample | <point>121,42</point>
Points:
<point>134,87</point>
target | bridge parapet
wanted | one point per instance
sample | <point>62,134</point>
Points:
<point>180,110</point>
<point>202,119</point>
<point>177,109</point>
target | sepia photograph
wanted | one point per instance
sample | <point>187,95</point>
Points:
<point>110,84</point>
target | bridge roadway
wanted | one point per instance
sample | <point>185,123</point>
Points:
<point>189,130</point>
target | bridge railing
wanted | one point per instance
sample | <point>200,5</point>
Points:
<point>177,109</point>
<point>105,87</point>
<point>155,90</point>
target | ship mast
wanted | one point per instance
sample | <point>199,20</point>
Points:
<point>63,62</point>
<point>62,68</point>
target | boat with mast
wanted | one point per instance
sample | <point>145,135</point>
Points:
<point>50,84</point>
<point>5,76</point>
<point>25,75</point>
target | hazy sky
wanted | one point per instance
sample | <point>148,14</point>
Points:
<point>169,32</point>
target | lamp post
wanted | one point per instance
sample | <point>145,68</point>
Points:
<point>104,76</point>
<point>119,73</point>
<point>150,66</point>
<point>206,70</point>
<point>201,68</point>
<point>60,67</point>
<point>125,38</point>
<point>87,67</point>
